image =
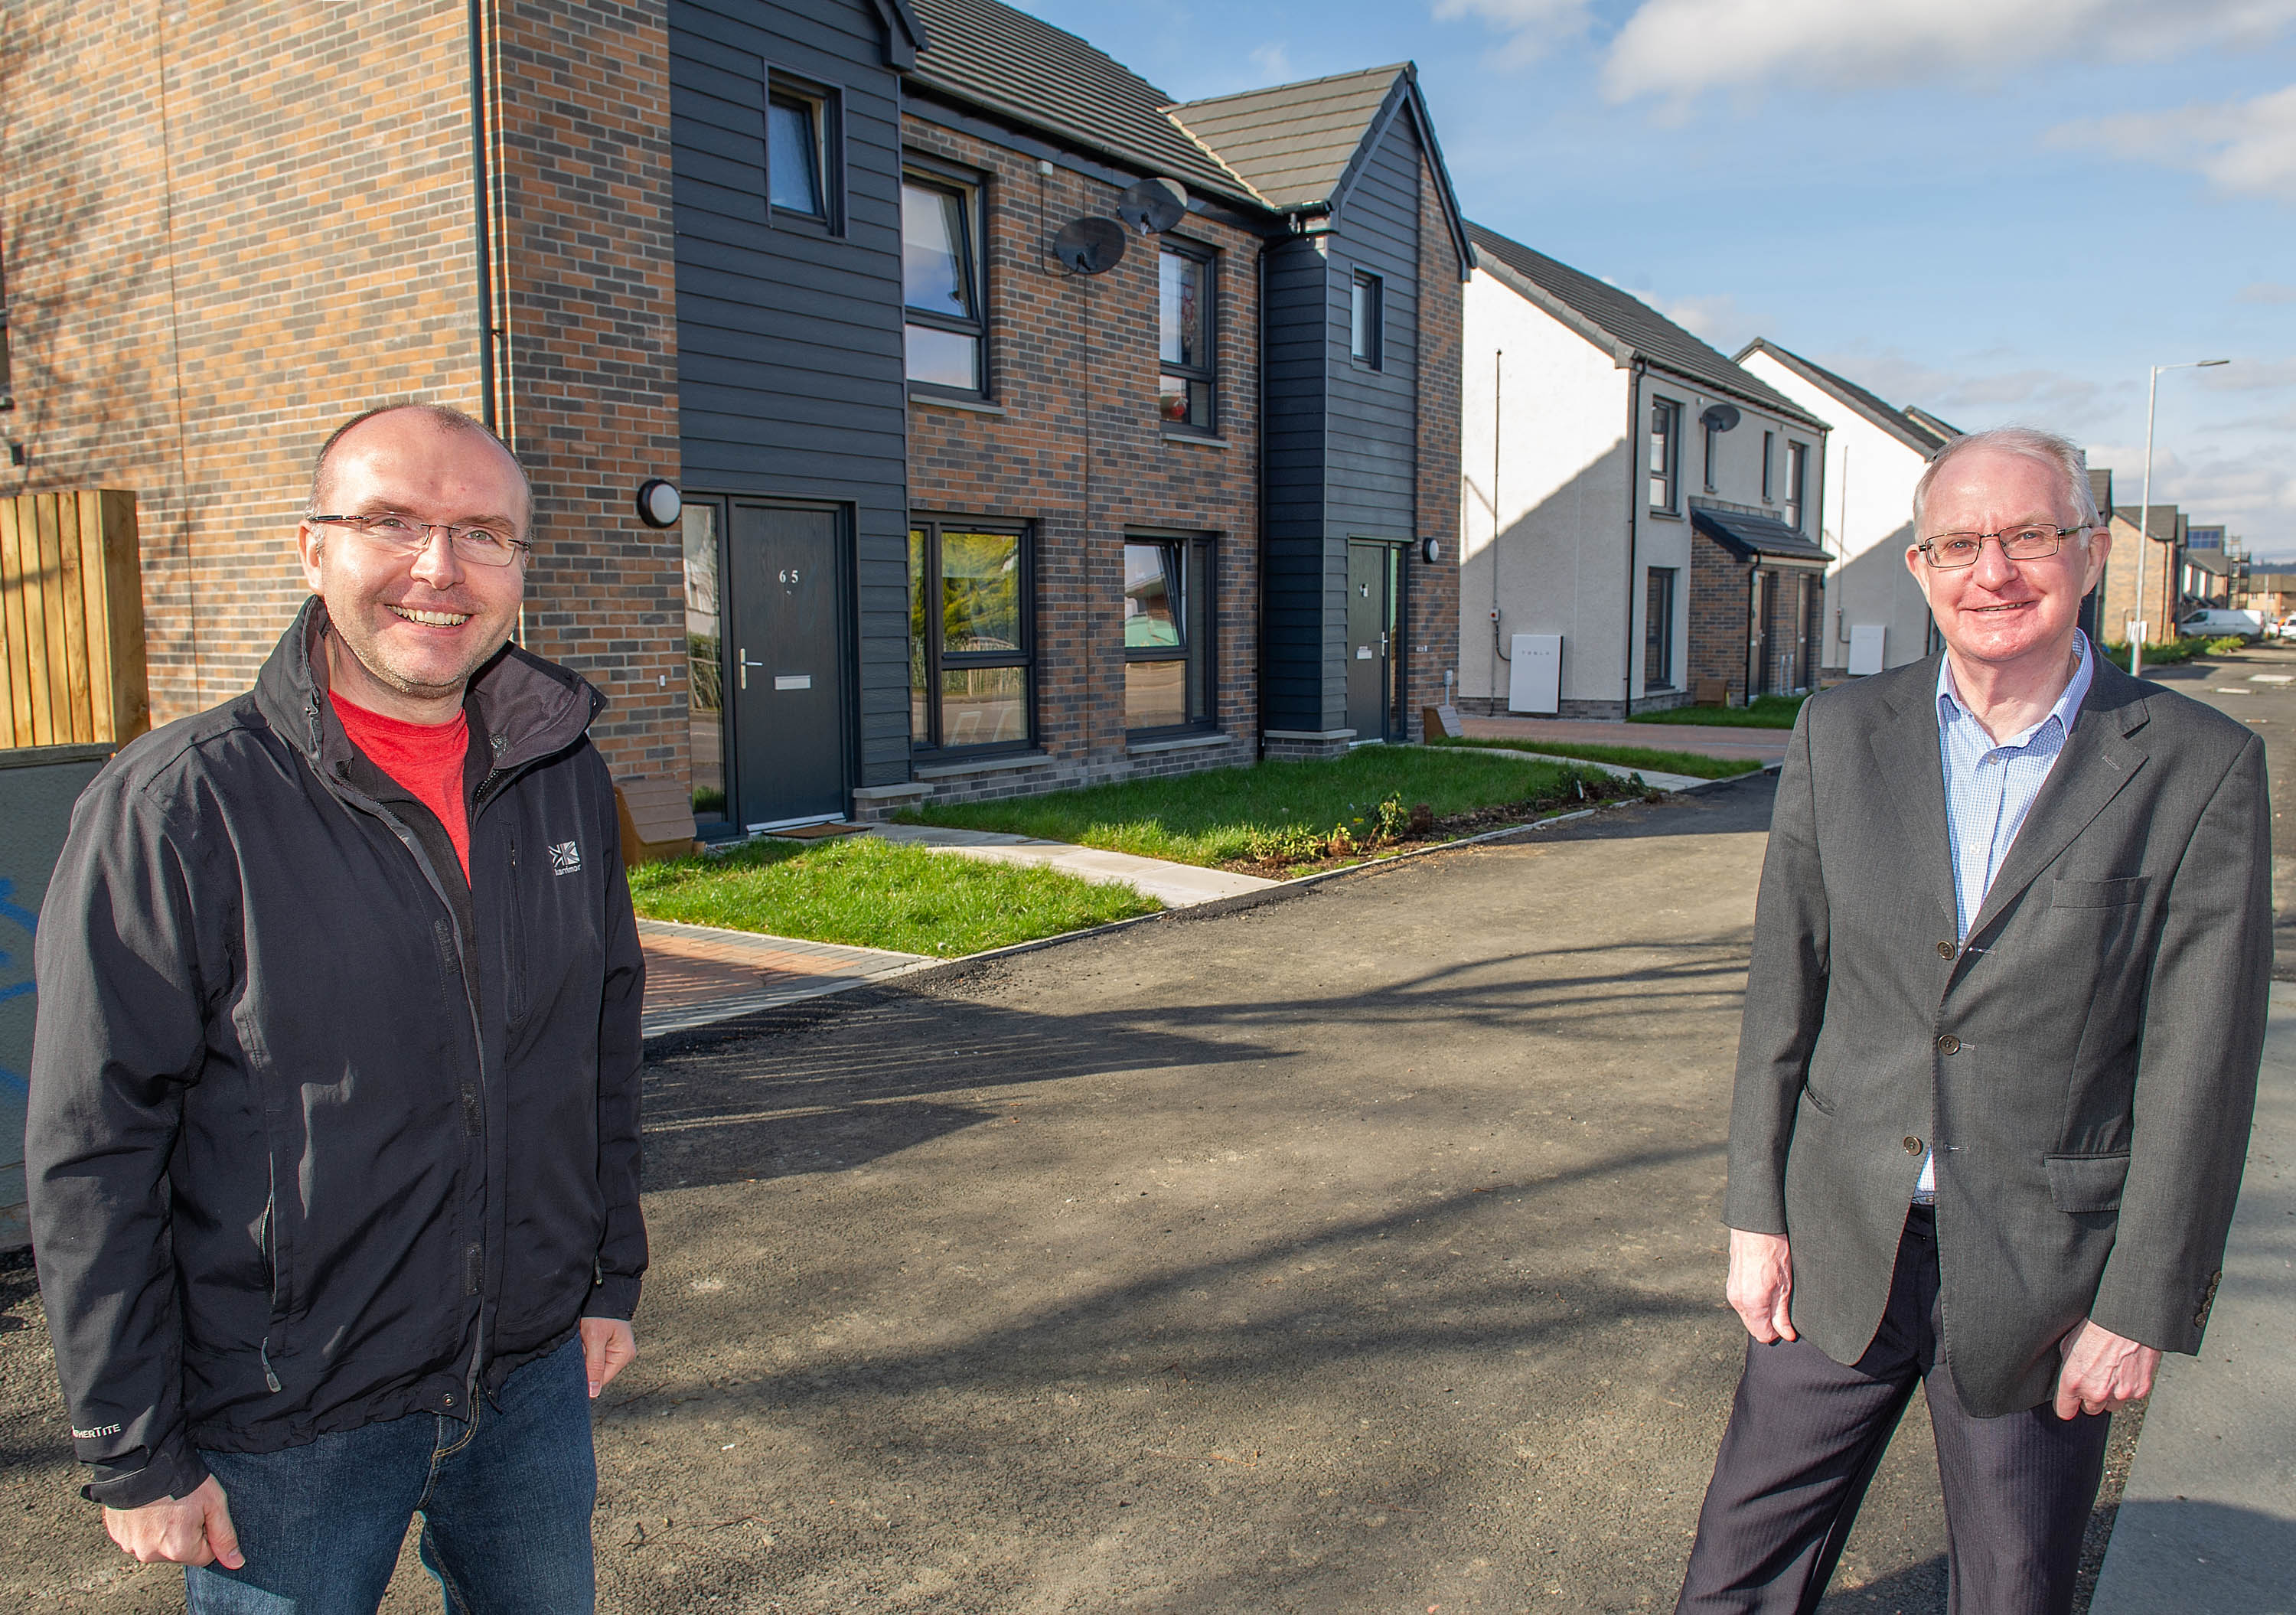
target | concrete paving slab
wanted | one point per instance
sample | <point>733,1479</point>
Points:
<point>2207,1518</point>
<point>1762,745</point>
<point>697,975</point>
<point>1174,885</point>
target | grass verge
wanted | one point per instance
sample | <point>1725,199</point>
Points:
<point>1695,764</point>
<point>1278,817</point>
<point>1763,712</point>
<point>2169,654</point>
<point>868,893</point>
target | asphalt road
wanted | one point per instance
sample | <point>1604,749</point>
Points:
<point>1353,1252</point>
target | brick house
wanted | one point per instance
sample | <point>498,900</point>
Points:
<point>1642,513</point>
<point>225,233</point>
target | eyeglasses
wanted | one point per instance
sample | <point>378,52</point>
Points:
<point>1951,552</point>
<point>478,545</point>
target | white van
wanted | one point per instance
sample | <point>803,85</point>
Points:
<point>2217,622</point>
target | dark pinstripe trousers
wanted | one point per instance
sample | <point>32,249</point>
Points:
<point>1805,1436</point>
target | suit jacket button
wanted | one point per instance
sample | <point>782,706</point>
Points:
<point>1913,1145</point>
<point>1949,1045</point>
<point>1946,950</point>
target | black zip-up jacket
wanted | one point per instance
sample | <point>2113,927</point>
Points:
<point>321,1133</point>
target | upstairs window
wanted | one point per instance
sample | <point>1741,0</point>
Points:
<point>1769,449</point>
<point>1665,454</point>
<point>940,277</point>
<point>1797,480</point>
<point>1367,321</point>
<point>1184,337</point>
<point>1713,437</point>
<point>800,170</point>
<point>1168,633</point>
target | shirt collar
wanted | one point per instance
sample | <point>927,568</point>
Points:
<point>1950,708</point>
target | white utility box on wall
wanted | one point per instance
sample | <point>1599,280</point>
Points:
<point>1866,648</point>
<point>1535,675</point>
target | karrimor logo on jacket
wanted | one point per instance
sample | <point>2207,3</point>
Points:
<point>565,857</point>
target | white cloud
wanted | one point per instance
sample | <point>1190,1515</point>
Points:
<point>1274,61</point>
<point>2265,292</point>
<point>1680,48</point>
<point>1718,320</point>
<point>2241,147</point>
<point>1531,27</point>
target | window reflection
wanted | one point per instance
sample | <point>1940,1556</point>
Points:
<point>704,663</point>
<point>793,154</point>
<point>968,672</point>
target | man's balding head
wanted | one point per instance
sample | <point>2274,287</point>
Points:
<point>443,418</point>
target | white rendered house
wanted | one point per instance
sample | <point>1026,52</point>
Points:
<point>1630,492</point>
<point>1875,616</point>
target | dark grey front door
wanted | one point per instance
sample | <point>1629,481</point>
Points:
<point>1371,640</point>
<point>784,610</point>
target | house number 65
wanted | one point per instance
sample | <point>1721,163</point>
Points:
<point>789,574</point>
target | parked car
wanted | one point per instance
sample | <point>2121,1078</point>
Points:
<point>2217,622</point>
<point>2285,628</point>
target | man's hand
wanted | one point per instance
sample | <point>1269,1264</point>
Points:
<point>179,1530</point>
<point>2102,1372</point>
<point>1762,1285</point>
<point>609,1345</point>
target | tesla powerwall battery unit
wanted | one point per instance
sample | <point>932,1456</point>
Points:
<point>1866,648</point>
<point>1535,675</point>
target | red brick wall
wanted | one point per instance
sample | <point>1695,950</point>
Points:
<point>1433,633</point>
<point>1717,615</point>
<point>1076,356</point>
<point>589,388</point>
<point>216,255</point>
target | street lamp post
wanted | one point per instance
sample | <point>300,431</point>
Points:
<point>2144,513</point>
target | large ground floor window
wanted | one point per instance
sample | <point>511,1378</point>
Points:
<point>705,663</point>
<point>971,669</point>
<point>1168,633</point>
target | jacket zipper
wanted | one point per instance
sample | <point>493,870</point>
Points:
<point>271,1265</point>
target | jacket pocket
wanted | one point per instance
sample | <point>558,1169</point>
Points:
<point>2117,893</point>
<point>2086,1182</point>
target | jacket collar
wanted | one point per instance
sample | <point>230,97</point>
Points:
<point>528,708</point>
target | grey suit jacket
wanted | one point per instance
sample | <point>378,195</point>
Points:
<point>2085,1066</point>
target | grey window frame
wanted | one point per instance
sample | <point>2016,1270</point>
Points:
<point>937,659</point>
<point>1207,259</point>
<point>1656,580</point>
<point>1713,435</point>
<point>1367,308</point>
<point>1671,409</point>
<point>971,189</point>
<point>1199,570</point>
<point>1797,501</point>
<point>1770,451</point>
<point>828,151</point>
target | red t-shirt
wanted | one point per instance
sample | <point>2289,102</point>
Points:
<point>427,759</point>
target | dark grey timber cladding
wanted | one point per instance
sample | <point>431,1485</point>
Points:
<point>1302,675</point>
<point>1374,433</point>
<point>790,369</point>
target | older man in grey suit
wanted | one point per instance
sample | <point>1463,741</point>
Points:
<point>1997,1062</point>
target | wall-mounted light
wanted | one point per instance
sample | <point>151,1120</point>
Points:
<point>660,503</point>
<point>1431,551</point>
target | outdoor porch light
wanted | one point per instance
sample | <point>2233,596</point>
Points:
<point>659,502</point>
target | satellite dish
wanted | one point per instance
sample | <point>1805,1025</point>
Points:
<point>1090,246</point>
<point>1153,206</point>
<point>1719,417</point>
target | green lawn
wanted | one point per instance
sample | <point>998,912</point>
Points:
<point>868,893</point>
<point>1763,712</point>
<point>1265,813</point>
<point>1695,764</point>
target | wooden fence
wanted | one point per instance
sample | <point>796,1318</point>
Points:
<point>71,621</point>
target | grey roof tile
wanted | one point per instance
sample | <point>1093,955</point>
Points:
<point>1007,62</point>
<point>1294,143</point>
<point>1899,423</point>
<point>1604,314</point>
<point>1748,536</point>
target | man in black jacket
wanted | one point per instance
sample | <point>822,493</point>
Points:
<point>333,1137</point>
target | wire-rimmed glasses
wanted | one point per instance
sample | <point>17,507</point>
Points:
<point>480,545</point>
<point>1951,552</point>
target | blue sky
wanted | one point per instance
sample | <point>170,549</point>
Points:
<point>1998,209</point>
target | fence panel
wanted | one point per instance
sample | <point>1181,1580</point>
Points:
<point>71,621</point>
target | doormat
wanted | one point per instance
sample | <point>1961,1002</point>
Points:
<point>814,832</point>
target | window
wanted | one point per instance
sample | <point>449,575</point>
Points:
<point>800,168</point>
<point>1185,340</point>
<point>704,664</point>
<point>969,662</point>
<point>1665,453</point>
<point>1797,476</point>
<point>1658,629</point>
<point>1713,434</point>
<point>1168,633</point>
<point>940,276</point>
<point>1367,321</point>
<point>1770,447</point>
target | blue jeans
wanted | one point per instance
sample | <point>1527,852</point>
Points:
<point>505,1500</point>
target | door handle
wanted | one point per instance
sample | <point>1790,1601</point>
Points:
<point>743,664</point>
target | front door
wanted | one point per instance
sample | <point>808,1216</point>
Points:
<point>1371,647</point>
<point>785,611</point>
<point>1758,637</point>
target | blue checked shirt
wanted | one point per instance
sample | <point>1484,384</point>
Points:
<point>1989,788</point>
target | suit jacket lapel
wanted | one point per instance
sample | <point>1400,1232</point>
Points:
<point>2101,755</point>
<point>1905,751</point>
